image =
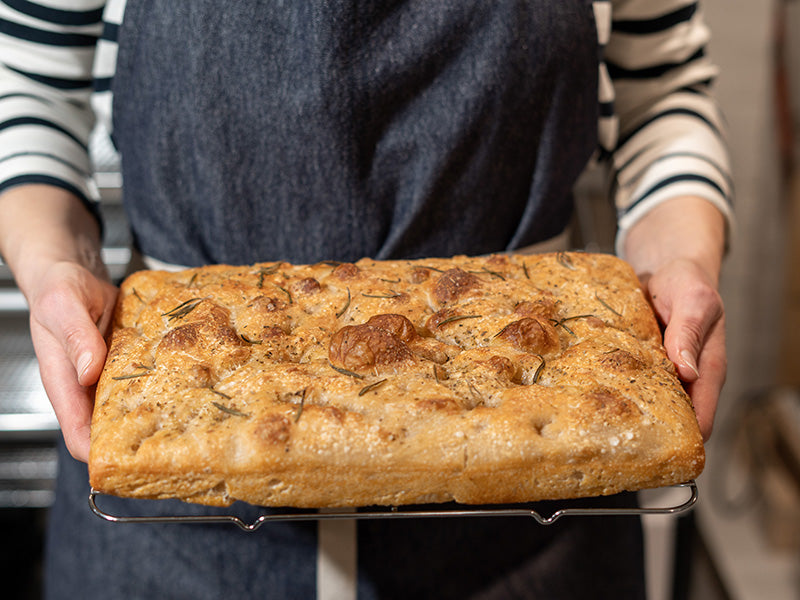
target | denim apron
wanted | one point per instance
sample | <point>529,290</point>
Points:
<point>329,130</point>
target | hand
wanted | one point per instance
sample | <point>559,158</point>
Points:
<point>677,249</point>
<point>687,303</point>
<point>69,313</point>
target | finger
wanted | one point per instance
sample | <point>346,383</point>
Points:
<point>705,391</point>
<point>68,318</point>
<point>692,318</point>
<point>72,402</point>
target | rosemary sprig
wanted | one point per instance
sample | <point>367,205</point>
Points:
<point>457,318</point>
<point>345,371</point>
<point>368,388</point>
<point>264,271</point>
<point>601,301</point>
<point>182,309</point>
<point>229,410</point>
<point>346,305</point>
<point>565,261</point>
<point>560,323</point>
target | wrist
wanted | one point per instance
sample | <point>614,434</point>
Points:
<point>682,229</point>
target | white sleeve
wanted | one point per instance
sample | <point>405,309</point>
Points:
<point>46,57</point>
<point>671,135</point>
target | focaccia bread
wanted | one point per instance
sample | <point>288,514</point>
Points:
<point>505,378</point>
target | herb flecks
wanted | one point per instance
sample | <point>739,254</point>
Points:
<point>368,388</point>
<point>229,410</point>
<point>182,309</point>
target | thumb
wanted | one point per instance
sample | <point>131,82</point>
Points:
<point>73,322</point>
<point>692,318</point>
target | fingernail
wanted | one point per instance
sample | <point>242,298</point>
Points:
<point>84,362</point>
<point>688,361</point>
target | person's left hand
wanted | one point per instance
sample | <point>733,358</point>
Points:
<point>687,303</point>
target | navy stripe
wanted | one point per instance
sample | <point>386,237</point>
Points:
<point>55,15</point>
<point>41,99</point>
<point>726,176</point>
<point>42,36</point>
<point>110,32</point>
<point>656,25</point>
<point>673,111</point>
<point>618,72</point>
<point>66,163</point>
<point>102,84</point>
<point>675,179</point>
<point>55,82</point>
<point>21,121</point>
<point>34,178</point>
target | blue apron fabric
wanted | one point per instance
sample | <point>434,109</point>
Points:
<point>333,130</point>
<point>314,130</point>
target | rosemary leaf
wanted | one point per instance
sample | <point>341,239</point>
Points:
<point>138,297</point>
<point>525,270</point>
<point>431,268</point>
<point>392,294</point>
<point>539,369</point>
<point>131,376</point>
<point>299,412</point>
<point>565,261</point>
<point>389,280</point>
<point>182,309</point>
<point>248,340</point>
<point>601,301</point>
<point>229,410</point>
<point>345,372</point>
<point>218,393</point>
<point>346,305</point>
<point>285,291</point>
<point>485,271</point>
<point>368,388</point>
<point>457,318</point>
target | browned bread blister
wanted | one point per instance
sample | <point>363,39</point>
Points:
<point>505,378</point>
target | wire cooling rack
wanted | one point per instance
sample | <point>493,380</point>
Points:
<point>446,511</point>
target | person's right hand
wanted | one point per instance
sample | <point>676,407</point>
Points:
<point>70,310</point>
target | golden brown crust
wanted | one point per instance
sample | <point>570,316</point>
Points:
<point>481,380</point>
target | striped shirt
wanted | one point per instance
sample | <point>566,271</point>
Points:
<point>660,130</point>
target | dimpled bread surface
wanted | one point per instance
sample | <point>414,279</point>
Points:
<point>496,379</point>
